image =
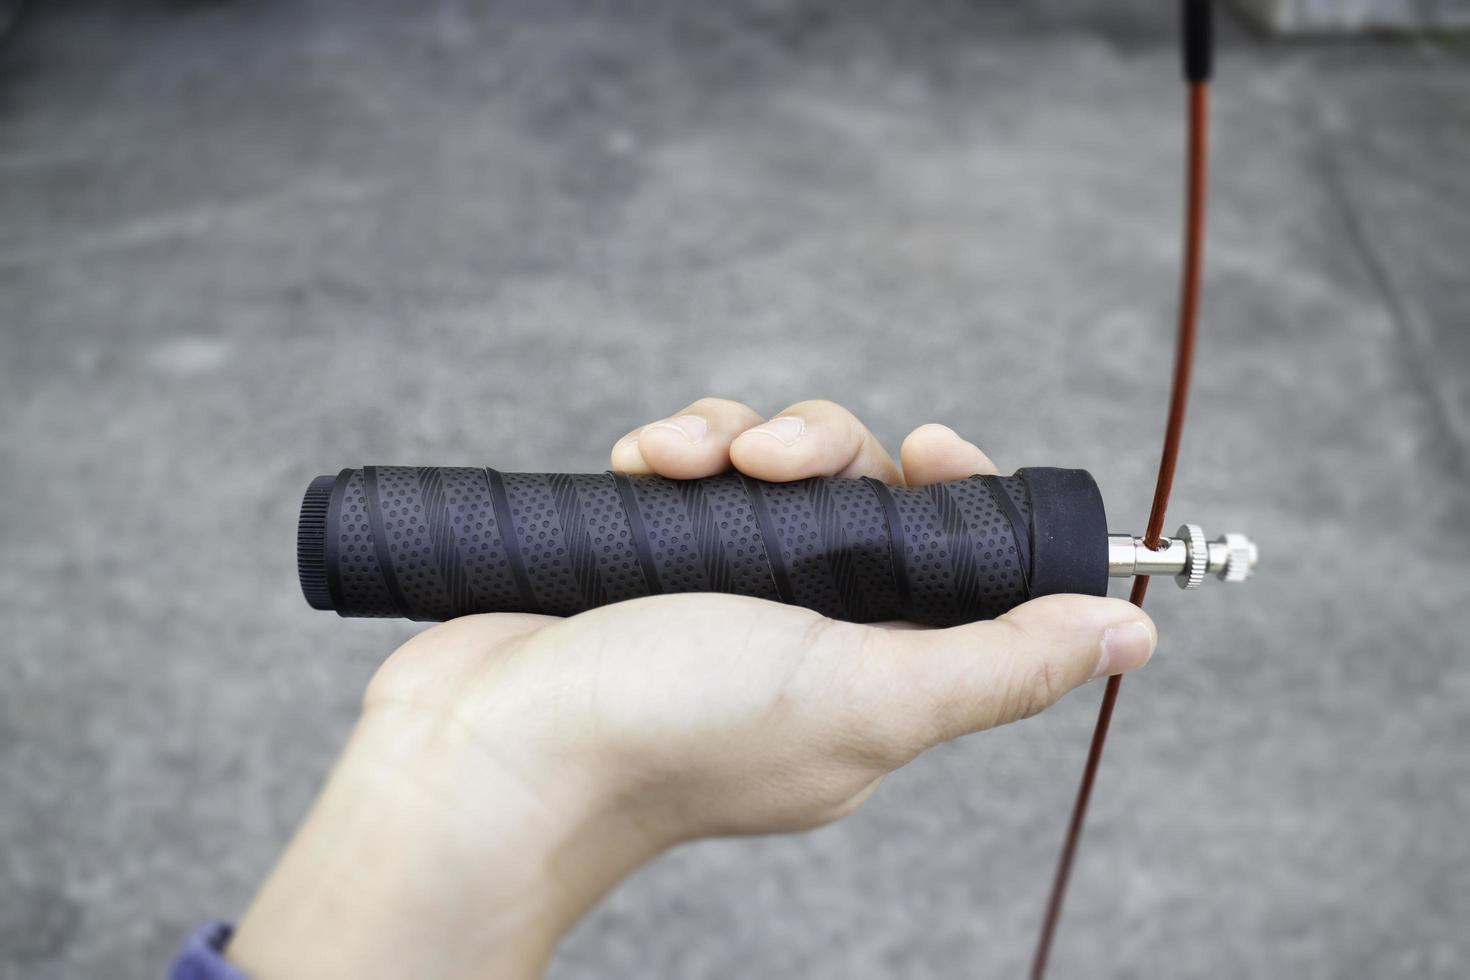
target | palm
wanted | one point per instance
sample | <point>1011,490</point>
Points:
<point>736,714</point>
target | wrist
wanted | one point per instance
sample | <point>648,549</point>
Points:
<point>432,852</point>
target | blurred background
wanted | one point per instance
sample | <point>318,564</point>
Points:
<point>242,244</point>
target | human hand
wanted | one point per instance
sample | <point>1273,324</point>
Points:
<point>509,769</point>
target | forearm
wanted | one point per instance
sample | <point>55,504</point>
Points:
<point>407,867</point>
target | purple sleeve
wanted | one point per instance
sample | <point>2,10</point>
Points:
<point>202,955</point>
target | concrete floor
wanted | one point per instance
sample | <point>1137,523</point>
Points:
<point>242,244</point>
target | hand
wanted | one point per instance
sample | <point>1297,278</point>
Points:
<point>508,770</point>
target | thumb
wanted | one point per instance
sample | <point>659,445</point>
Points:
<point>955,681</point>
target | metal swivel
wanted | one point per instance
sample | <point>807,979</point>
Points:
<point>1187,556</point>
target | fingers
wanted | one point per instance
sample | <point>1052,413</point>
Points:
<point>934,453</point>
<point>814,438</point>
<point>692,443</point>
<point>954,681</point>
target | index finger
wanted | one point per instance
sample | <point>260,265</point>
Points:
<point>693,442</point>
<point>812,438</point>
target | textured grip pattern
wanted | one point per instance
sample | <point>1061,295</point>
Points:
<point>432,543</point>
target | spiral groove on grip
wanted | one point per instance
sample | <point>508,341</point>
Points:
<point>432,543</point>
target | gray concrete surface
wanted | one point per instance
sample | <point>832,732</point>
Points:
<point>241,244</point>
<point>1323,17</point>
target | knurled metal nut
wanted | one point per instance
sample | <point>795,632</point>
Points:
<point>1239,553</point>
<point>1197,559</point>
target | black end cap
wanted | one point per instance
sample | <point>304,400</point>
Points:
<point>311,543</point>
<point>1197,40</point>
<point>1069,532</point>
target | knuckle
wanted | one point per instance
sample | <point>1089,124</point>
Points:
<point>1051,682</point>
<point>715,405</point>
<point>930,433</point>
<point>817,409</point>
<point>1037,684</point>
<point>1034,680</point>
<point>838,423</point>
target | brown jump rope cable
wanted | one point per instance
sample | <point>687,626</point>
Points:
<point>1197,51</point>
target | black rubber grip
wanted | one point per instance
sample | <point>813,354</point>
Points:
<point>432,543</point>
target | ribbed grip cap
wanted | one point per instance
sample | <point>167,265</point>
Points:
<point>311,541</point>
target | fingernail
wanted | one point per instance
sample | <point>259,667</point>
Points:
<point>785,429</point>
<point>1125,647</point>
<point>691,427</point>
<point>628,439</point>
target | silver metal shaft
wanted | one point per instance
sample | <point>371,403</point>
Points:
<point>1187,556</point>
